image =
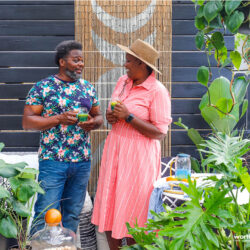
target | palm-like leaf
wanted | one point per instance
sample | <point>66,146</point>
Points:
<point>197,223</point>
<point>223,149</point>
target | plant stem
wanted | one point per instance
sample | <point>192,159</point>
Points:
<point>225,244</point>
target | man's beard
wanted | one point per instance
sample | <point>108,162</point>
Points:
<point>72,74</point>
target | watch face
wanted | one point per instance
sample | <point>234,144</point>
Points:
<point>130,118</point>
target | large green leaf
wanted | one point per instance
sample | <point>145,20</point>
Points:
<point>236,59</point>
<point>20,209</point>
<point>203,75</point>
<point>219,90</point>
<point>211,10</point>
<point>231,5</point>
<point>25,192</point>
<point>240,88</point>
<point>196,228</point>
<point>8,171</point>
<point>3,192</point>
<point>234,21</point>
<point>8,228</point>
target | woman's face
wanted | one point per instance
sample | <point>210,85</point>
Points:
<point>133,66</point>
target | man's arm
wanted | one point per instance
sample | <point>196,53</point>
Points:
<point>32,119</point>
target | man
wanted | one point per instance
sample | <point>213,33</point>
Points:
<point>64,153</point>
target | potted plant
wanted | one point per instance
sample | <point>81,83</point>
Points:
<point>213,218</point>
<point>17,195</point>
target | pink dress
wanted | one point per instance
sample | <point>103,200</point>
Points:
<point>130,161</point>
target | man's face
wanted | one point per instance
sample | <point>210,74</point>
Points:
<point>74,64</point>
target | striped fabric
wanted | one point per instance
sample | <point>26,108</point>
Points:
<point>131,162</point>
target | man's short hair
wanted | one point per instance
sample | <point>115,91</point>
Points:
<point>63,49</point>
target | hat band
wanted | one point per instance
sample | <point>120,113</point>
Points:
<point>145,59</point>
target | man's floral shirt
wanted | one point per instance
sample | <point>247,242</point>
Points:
<point>67,143</point>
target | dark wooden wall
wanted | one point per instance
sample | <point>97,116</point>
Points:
<point>29,32</point>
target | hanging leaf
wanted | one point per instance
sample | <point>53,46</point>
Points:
<point>1,146</point>
<point>200,12</point>
<point>203,75</point>
<point>216,23</point>
<point>221,55</point>
<point>240,86</point>
<point>236,59</point>
<point>244,107</point>
<point>211,10</point>
<point>234,21</point>
<point>200,23</point>
<point>199,40</point>
<point>231,5</point>
<point>217,40</point>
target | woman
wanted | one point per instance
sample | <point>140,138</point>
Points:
<point>131,156</point>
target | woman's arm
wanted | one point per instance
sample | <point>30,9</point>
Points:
<point>32,119</point>
<point>144,127</point>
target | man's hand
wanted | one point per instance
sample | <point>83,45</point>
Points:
<point>88,125</point>
<point>68,118</point>
<point>110,117</point>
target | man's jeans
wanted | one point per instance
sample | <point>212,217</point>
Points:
<point>65,185</point>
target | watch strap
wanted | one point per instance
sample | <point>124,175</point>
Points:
<point>129,118</point>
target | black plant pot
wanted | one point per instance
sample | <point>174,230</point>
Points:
<point>15,247</point>
<point>5,243</point>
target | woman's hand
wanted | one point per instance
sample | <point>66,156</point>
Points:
<point>110,117</point>
<point>121,111</point>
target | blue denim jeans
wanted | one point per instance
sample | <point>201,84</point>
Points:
<point>65,185</point>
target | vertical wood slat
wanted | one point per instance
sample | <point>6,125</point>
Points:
<point>102,56</point>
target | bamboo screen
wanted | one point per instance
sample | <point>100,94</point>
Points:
<point>99,26</point>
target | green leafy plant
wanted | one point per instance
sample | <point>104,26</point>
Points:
<point>17,195</point>
<point>223,104</point>
<point>212,218</point>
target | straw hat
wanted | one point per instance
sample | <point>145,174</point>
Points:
<point>143,51</point>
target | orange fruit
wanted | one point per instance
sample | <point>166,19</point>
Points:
<point>53,217</point>
<point>171,178</point>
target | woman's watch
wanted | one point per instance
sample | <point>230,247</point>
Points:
<point>129,118</point>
